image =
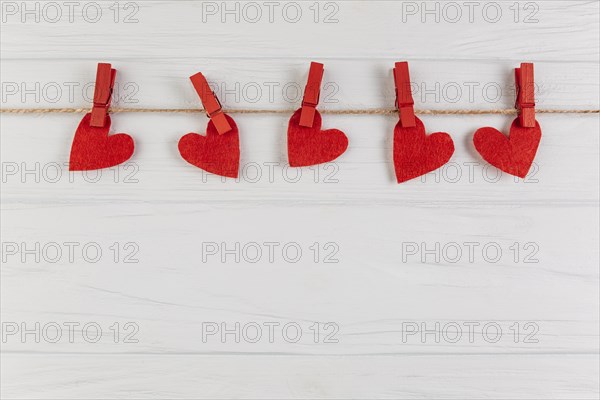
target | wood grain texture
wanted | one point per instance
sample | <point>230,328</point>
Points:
<point>168,31</point>
<point>180,248</point>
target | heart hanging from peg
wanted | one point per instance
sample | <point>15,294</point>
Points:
<point>514,154</point>
<point>415,152</point>
<point>93,147</point>
<point>311,145</point>
<point>219,151</point>
<point>307,143</point>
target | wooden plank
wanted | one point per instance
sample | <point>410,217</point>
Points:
<point>407,377</point>
<point>493,30</point>
<point>278,84</point>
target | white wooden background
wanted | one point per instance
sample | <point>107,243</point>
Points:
<point>172,213</point>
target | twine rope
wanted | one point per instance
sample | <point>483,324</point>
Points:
<point>372,111</point>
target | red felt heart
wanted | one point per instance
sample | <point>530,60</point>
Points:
<point>218,154</point>
<point>94,148</point>
<point>416,153</point>
<point>513,154</point>
<point>310,146</point>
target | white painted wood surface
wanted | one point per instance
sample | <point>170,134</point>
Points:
<point>170,217</point>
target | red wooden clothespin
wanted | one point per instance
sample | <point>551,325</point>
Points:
<point>311,94</point>
<point>404,99</point>
<point>105,82</point>
<point>525,95</point>
<point>211,104</point>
